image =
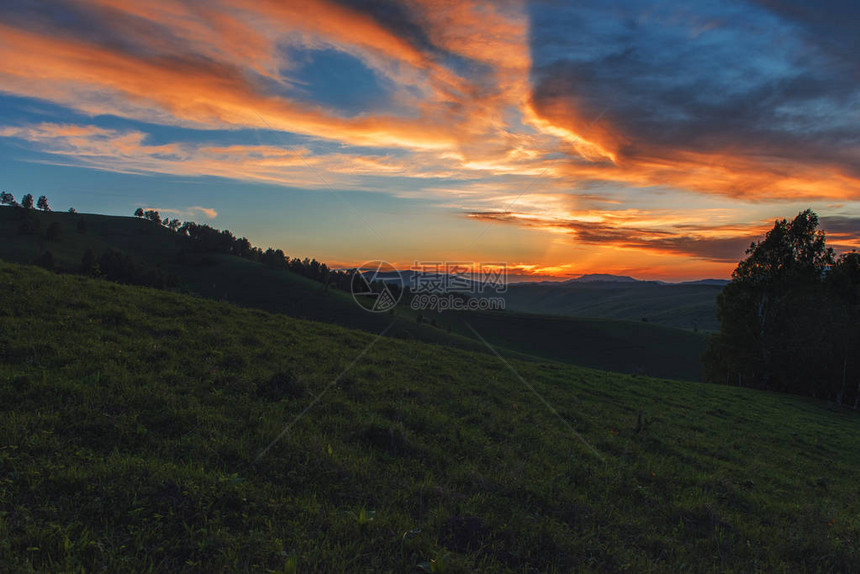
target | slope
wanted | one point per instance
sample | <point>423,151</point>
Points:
<point>612,345</point>
<point>691,307</point>
<point>135,425</point>
<point>622,346</point>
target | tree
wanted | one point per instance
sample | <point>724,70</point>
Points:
<point>188,228</point>
<point>791,249</point>
<point>843,289</point>
<point>242,247</point>
<point>7,198</point>
<point>72,210</point>
<point>772,332</point>
<point>138,212</point>
<point>117,266</point>
<point>27,201</point>
<point>153,215</point>
<point>43,203</point>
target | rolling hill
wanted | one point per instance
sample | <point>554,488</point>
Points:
<point>147,430</point>
<point>622,346</point>
<point>690,306</point>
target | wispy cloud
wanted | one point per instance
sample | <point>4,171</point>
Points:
<point>662,234</point>
<point>185,212</point>
<point>131,151</point>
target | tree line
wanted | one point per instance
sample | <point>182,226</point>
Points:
<point>120,267</point>
<point>27,202</point>
<point>790,317</point>
<point>116,266</point>
<point>207,239</point>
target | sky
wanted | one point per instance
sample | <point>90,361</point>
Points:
<point>651,139</point>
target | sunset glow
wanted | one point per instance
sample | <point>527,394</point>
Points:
<point>648,140</point>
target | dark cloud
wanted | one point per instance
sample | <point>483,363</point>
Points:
<point>112,29</point>
<point>407,23</point>
<point>396,17</point>
<point>710,81</point>
<point>841,226</point>
<point>832,26</point>
<point>687,242</point>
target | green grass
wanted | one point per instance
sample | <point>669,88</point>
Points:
<point>131,420</point>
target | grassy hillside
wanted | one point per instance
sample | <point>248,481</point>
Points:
<point>691,307</point>
<point>132,421</point>
<point>213,276</point>
<point>622,346</point>
<point>612,345</point>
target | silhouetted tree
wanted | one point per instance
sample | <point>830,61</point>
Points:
<point>843,286</point>
<point>27,201</point>
<point>153,215</point>
<point>42,203</point>
<point>72,210</point>
<point>773,329</point>
<point>187,228</point>
<point>138,212</point>
<point>242,247</point>
<point>274,258</point>
<point>117,266</point>
<point>7,198</point>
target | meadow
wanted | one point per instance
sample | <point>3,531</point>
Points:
<point>138,433</point>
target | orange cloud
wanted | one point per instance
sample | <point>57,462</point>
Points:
<point>660,233</point>
<point>189,212</point>
<point>220,65</point>
<point>198,93</point>
<point>129,151</point>
<point>607,154</point>
<point>206,66</point>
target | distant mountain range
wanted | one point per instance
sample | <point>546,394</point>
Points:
<point>406,277</point>
<point>602,277</point>
<point>715,282</point>
<point>607,278</point>
<point>687,305</point>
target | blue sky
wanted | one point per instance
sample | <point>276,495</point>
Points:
<point>651,139</point>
